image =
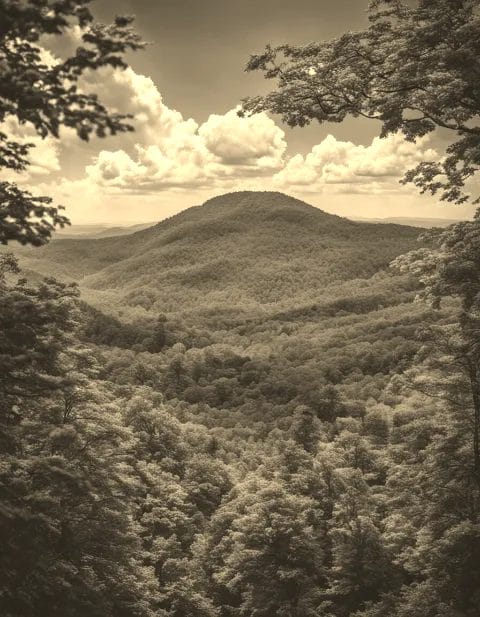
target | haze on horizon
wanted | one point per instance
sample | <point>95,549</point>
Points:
<point>189,145</point>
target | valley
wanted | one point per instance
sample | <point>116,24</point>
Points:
<point>216,398</point>
<point>260,301</point>
<point>238,379</point>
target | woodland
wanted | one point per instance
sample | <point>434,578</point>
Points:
<point>253,408</point>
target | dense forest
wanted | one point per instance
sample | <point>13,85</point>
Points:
<point>253,408</point>
<point>300,450</point>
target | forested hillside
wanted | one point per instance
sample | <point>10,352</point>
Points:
<point>253,408</point>
<point>241,250</point>
<point>292,299</point>
<point>225,419</point>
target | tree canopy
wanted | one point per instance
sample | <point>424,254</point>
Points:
<point>44,94</point>
<point>414,69</point>
<point>264,454</point>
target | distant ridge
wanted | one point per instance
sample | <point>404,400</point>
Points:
<point>100,231</point>
<point>245,203</point>
<point>407,220</point>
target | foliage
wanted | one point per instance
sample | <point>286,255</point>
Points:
<point>414,69</point>
<point>46,96</point>
<point>157,270</point>
<point>66,521</point>
<point>255,460</point>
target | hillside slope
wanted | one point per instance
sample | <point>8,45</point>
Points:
<point>248,306</point>
<point>245,249</point>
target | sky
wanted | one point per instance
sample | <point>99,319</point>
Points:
<point>189,143</point>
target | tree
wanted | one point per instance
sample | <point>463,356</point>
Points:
<point>431,527</point>
<point>305,428</point>
<point>414,69</point>
<point>46,96</point>
<point>36,324</point>
<point>361,567</point>
<point>270,556</point>
<point>70,543</point>
<point>450,269</point>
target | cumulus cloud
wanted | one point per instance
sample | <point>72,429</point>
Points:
<point>354,167</point>
<point>152,168</point>
<point>168,150</point>
<point>128,92</point>
<point>169,154</point>
<point>252,140</point>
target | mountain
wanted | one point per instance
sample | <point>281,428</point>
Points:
<point>427,223</point>
<point>244,250</point>
<point>242,308</point>
<point>100,231</point>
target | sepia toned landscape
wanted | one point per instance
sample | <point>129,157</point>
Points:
<point>240,364</point>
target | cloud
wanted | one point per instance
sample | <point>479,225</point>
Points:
<point>125,91</point>
<point>168,151</point>
<point>355,168</point>
<point>170,157</point>
<point>153,168</point>
<point>254,140</point>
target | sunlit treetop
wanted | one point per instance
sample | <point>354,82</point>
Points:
<point>414,69</point>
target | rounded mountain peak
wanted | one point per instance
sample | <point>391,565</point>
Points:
<point>259,200</point>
